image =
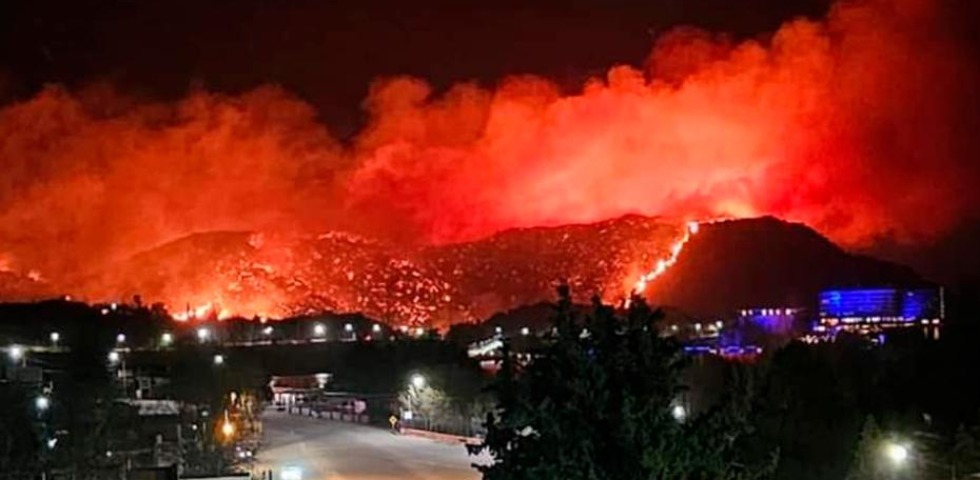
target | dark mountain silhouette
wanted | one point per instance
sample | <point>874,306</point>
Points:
<point>765,262</point>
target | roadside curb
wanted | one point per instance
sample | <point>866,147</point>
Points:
<point>441,437</point>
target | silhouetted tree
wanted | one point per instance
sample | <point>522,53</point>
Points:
<point>596,403</point>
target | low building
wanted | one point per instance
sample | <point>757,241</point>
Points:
<point>779,321</point>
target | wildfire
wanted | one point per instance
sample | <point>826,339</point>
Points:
<point>663,264</point>
<point>202,311</point>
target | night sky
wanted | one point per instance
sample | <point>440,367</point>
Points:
<point>328,52</point>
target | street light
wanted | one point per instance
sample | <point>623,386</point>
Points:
<point>16,353</point>
<point>375,328</point>
<point>121,338</point>
<point>55,338</point>
<point>203,334</point>
<point>267,331</point>
<point>525,331</point>
<point>418,381</point>
<point>678,412</point>
<point>896,453</point>
<point>319,330</point>
<point>42,403</point>
<point>114,357</point>
<point>166,339</point>
<point>219,359</point>
<point>348,327</point>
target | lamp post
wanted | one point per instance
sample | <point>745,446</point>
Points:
<point>17,355</point>
<point>416,383</point>
<point>117,358</point>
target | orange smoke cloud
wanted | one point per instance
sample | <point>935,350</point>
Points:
<point>844,124</point>
<point>849,124</point>
<point>92,175</point>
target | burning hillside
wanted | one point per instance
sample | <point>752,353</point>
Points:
<point>711,269</point>
<point>256,274</point>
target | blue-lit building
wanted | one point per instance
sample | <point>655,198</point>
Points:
<point>865,309</point>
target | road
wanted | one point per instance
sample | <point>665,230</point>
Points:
<point>334,450</point>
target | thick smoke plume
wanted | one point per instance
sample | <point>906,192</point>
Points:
<point>857,124</point>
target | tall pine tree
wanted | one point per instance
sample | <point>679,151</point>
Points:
<point>596,404</point>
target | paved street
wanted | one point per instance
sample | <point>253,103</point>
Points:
<point>325,449</point>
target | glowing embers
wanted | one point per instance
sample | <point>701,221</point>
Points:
<point>662,265</point>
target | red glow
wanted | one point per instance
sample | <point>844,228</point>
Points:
<point>847,124</point>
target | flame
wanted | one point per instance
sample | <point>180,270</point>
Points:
<point>201,311</point>
<point>663,264</point>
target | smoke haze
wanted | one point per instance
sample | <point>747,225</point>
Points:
<point>858,125</point>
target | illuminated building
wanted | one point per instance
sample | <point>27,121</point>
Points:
<point>778,321</point>
<point>873,309</point>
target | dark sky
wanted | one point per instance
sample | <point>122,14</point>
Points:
<point>328,51</point>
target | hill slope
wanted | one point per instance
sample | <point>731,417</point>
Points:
<point>765,262</point>
<point>726,266</point>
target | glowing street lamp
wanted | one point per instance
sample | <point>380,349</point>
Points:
<point>55,338</point>
<point>678,412</point>
<point>166,339</point>
<point>42,403</point>
<point>203,334</point>
<point>896,453</point>
<point>16,353</point>
<point>418,380</point>
<point>348,328</point>
<point>114,357</point>
<point>228,429</point>
<point>319,330</point>
<point>121,338</point>
<point>525,331</point>
<point>219,359</point>
<point>376,328</point>
<point>267,331</point>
